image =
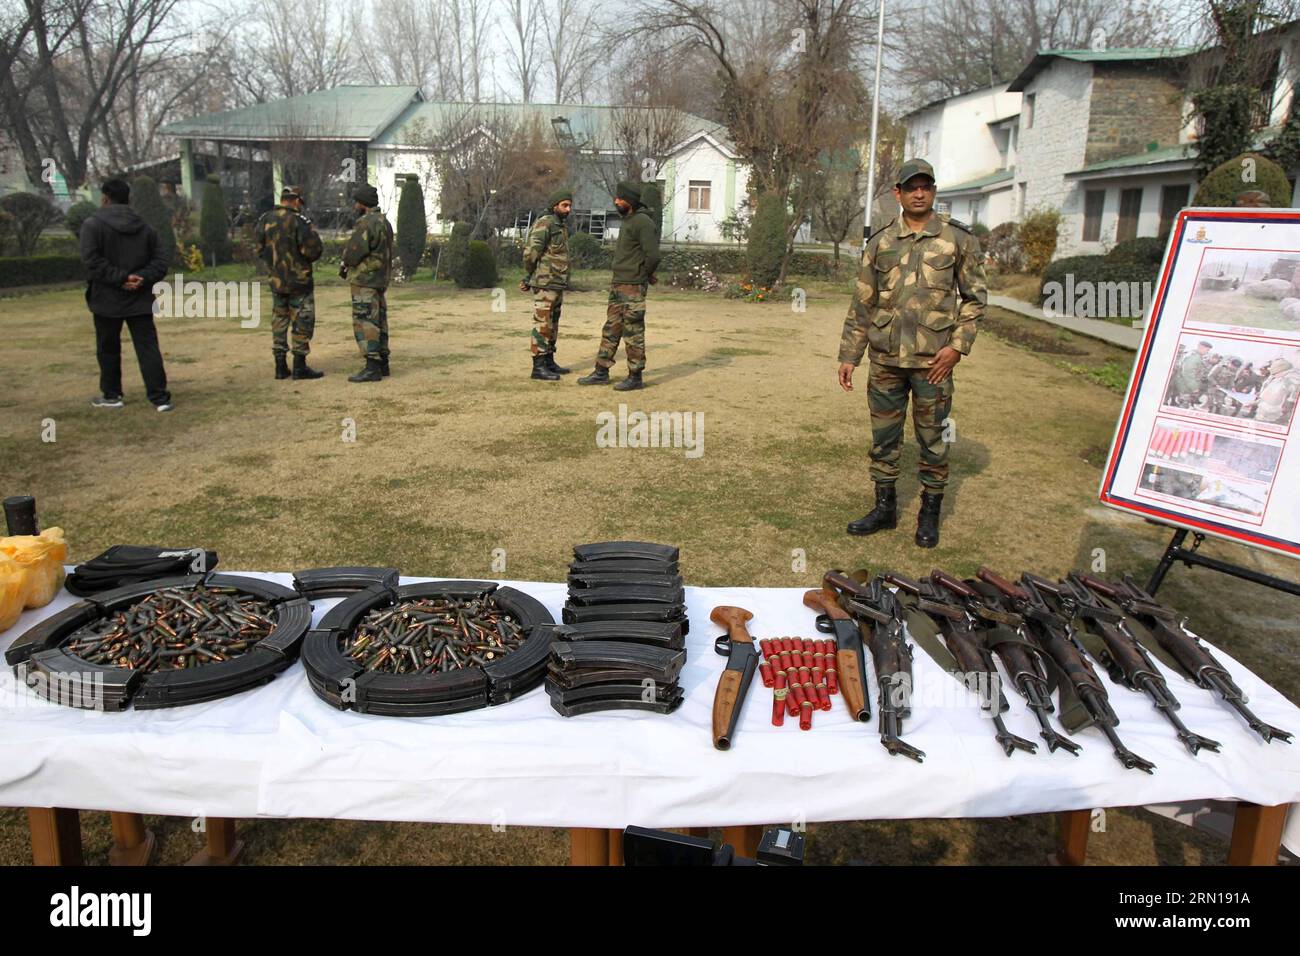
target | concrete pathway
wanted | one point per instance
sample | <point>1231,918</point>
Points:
<point>1124,336</point>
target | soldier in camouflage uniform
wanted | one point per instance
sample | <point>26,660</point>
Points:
<point>1191,376</point>
<point>289,244</point>
<point>368,266</point>
<point>636,256</point>
<point>546,262</point>
<point>1279,393</point>
<point>920,294</point>
<point>1222,377</point>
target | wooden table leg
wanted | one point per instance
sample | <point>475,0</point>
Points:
<point>1256,835</point>
<point>1071,838</point>
<point>56,836</point>
<point>222,849</point>
<point>132,844</point>
<point>744,839</point>
<point>589,847</point>
<point>615,847</point>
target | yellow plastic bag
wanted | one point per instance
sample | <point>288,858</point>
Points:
<point>40,556</point>
<point>12,586</point>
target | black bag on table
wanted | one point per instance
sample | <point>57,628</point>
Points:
<point>130,564</point>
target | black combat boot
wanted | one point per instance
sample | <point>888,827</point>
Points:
<point>598,376</point>
<point>383,366</point>
<point>281,366</point>
<point>371,373</point>
<point>631,383</point>
<point>302,370</point>
<point>557,369</point>
<point>883,516</point>
<point>542,370</point>
<point>927,520</point>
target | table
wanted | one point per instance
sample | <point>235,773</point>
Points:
<point>279,752</point>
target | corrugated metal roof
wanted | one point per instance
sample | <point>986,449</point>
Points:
<point>345,112</point>
<point>1118,55</point>
<point>971,185</point>
<point>587,124</point>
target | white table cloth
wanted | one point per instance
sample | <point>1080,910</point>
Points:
<point>279,751</point>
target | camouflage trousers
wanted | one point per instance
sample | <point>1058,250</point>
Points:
<point>624,319</point>
<point>887,393</point>
<point>547,304</point>
<point>292,312</point>
<point>370,321</point>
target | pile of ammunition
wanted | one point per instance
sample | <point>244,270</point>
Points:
<point>176,629</point>
<point>434,635</point>
<point>802,676</point>
<point>621,645</point>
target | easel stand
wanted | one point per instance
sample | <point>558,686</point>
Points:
<point>1192,556</point>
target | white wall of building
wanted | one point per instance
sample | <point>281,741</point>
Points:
<point>1070,240</point>
<point>701,162</point>
<point>955,138</point>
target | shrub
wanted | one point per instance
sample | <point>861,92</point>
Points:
<point>979,230</point>
<point>480,267</point>
<point>1002,246</point>
<point>6,230</point>
<point>191,258</point>
<point>456,255</point>
<point>586,252</point>
<point>77,214</point>
<point>146,200</point>
<point>412,226</point>
<point>214,222</point>
<point>1037,235</point>
<point>766,246</point>
<point>1224,183</point>
<point>38,270</point>
<point>1147,250</point>
<point>31,214</point>
<point>509,253</point>
<point>1096,269</point>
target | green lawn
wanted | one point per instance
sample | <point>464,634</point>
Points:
<point>459,453</point>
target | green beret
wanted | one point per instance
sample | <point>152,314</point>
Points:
<point>559,196</point>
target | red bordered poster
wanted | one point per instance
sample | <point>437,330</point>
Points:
<point>1207,439</point>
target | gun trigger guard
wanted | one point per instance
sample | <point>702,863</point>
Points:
<point>722,645</point>
<point>824,624</point>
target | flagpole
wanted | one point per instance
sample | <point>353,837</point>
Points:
<point>875,118</point>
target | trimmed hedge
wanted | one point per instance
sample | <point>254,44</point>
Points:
<point>480,267</point>
<point>1096,269</point>
<point>1144,250</point>
<point>38,270</point>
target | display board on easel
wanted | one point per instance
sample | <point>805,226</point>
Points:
<point>1207,440</point>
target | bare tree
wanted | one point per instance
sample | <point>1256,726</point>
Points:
<point>468,26</point>
<point>569,31</point>
<point>523,21</point>
<point>306,45</point>
<point>986,42</point>
<point>406,42</point>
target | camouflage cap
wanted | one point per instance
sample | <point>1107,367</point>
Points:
<point>292,192</point>
<point>559,196</point>
<point>629,192</point>
<point>367,195</point>
<point>914,167</point>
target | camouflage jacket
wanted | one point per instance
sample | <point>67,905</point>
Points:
<point>916,293</point>
<point>546,254</point>
<point>1278,397</point>
<point>1223,376</point>
<point>288,244</point>
<point>369,252</point>
<point>1192,376</point>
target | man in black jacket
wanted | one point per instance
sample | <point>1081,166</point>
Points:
<point>123,260</point>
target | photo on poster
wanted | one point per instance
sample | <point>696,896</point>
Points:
<point>1234,380</point>
<point>1248,290</point>
<point>1214,470</point>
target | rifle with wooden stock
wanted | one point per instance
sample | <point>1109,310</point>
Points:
<point>1027,664</point>
<point>1180,648</point>
<point>850,656</point>
<point>962,655</point>
<point>880,617</point>
<point>1054,632</point>
<point>1111,643</point>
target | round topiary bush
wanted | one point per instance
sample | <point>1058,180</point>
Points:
<point>455,255</point>
<point>214,223</point>
<point>412,226</point>
<point>1243,173</point>
<point>77,214</point>
<point>480,267</point>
